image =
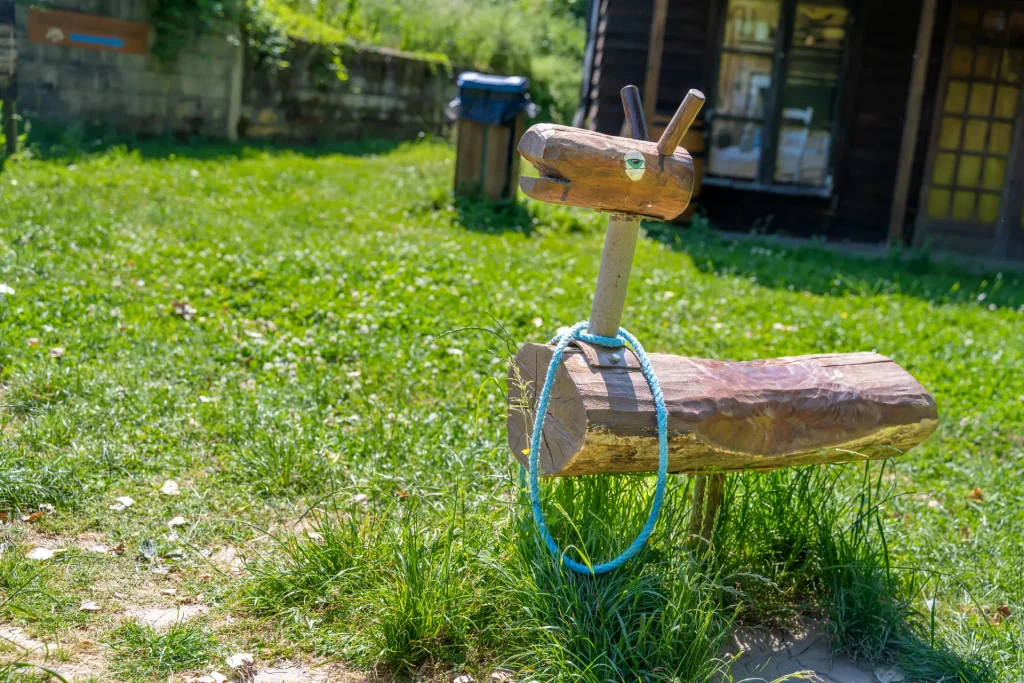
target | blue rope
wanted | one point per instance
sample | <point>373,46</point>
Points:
<point>561,342</point>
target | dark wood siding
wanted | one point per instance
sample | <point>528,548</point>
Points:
<point>924,134</point>
<point>683,63</point>
<point>867,170</point>
<point>874,101</point>
<point>620,58</point>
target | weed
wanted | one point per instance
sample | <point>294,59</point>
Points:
<point>142,653</point>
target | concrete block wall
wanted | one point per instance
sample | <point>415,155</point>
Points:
<point>133,94</point>
<point>387,94</point>
<point>213,90</point>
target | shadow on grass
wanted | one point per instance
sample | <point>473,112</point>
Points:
<point>824,270</point>
<point>481,215</point>
<point>76,142</point>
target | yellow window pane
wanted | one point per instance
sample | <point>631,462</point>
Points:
<point>974,135</point>
<point>963,205</point>
<point>981,99</point>
<point>969,172</point>
<point>988,208</point>
<point>960,61</point>
<point>1013,65</point>
<point>1006,102</point>
<point>986,62</point>
<point>949,133</point>
<point>938,203</point>
<point>995,173</point>
<point>821,25</point>
<point>956,97</point>
<point>1001,137</point>
<point>944,165</point>
<point>752,24</point>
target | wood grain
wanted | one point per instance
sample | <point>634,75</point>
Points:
<point>469,154</point>
<point>633,108</point>
<point>681,122</point>
<point>723,416</point>
<point>583,168</point>
<point>911,122</point>
<point>655,49</point>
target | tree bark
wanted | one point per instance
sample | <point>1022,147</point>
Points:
<point>723,416</point>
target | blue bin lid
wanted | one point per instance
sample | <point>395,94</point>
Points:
<point>478,81</point>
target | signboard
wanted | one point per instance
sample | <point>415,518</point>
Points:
<point>87,32</point>
<point>8,48</point>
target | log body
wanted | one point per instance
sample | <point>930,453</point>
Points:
<point>583,168</point>
<point>723,416</point>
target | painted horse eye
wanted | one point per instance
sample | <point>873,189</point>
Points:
<point>634,165</point>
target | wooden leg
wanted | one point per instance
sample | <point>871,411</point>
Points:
<point>708,491</point>
<point>696,507</point>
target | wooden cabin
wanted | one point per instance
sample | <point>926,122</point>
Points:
<point>862,120</point>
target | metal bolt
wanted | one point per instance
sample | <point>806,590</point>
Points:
<point>615,358</point>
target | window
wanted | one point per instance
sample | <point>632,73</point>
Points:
<point>774,114</point>
<point>973,151</point>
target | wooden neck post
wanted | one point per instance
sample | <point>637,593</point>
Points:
<point>619,241</point>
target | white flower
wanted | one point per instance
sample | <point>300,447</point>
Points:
<point>240,659</point>
<point>40,554</point>
<point>122,503</point>
<point>177,521</point>
<point>6,290</point>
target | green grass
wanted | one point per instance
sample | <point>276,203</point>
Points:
<point>264,327</point>
<point>141,653</point>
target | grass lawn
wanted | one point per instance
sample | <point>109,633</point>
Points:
<point>263,329</point>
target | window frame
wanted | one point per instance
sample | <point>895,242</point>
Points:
<point>771,125</point>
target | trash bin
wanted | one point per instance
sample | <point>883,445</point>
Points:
<point>491,113</point>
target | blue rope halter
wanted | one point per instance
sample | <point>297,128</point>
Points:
<point>561,342</point>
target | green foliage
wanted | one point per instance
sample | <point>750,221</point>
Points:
<point>541,39</point>
<point>178,22</point>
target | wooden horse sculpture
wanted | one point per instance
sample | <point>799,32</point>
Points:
<point>722,416</point>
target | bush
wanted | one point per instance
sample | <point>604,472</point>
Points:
<point>541,39</point>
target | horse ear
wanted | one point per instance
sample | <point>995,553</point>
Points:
<point>680,123</point>
<point>634,109</point>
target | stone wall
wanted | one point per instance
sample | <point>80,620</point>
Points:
<point>131,93</point>
<point>386,94</point>
<point>214,90</point>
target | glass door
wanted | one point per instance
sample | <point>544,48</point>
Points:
<point>745,74</point>
<point>809,95</point>
<point>775,104</point>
